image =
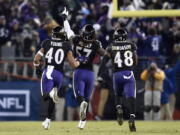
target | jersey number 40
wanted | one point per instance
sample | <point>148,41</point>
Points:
<point>57,55</point>
<point>128,59</point>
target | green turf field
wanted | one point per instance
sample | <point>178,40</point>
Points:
<point>92,128</point>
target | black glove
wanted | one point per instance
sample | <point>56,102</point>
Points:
<point>83,60</point>
<point>39,71</point>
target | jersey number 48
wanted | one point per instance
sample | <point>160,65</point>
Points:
<point>128,59</point>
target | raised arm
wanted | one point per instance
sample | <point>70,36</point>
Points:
<point>67,27</point>
<point>68,30</point>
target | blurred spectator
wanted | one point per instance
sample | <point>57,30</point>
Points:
<point>171,73</point>
<point>16,37</point>
<point>4,31</point>
<point>152,43</point>
<point>29,39</point>
<point>166,113</point>
<point>105,82</point>
<point>71,103</point>
<point>153,77</point>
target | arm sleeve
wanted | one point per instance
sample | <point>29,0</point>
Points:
<point>68,30</point>
<point>43,44</point>
<point>144,75</point>
<point>68,47</point>
<point>159,75</point>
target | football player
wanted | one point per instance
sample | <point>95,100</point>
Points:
<point>124,57</point>
<point>55,51</point>
<point>85,48</point>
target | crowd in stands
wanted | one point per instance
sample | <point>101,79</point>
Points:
<point>25,23</point>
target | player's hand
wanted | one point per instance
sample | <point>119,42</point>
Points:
<point>82,60</point>
<point>39,72</point>
<point>78,63</point>
<point>64,14</point>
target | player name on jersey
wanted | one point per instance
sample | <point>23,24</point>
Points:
<point>56,44</point>
<point>124,47</point>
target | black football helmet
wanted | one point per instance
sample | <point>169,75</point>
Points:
<point>59,32</point>
<point>120,35</point>
<point>88,33</point>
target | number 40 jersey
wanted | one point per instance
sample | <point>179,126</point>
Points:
<point>55,52</point>
<point>122,55</point>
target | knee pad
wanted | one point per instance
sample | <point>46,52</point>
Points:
<point>156,108</point>
<point>147,108</point>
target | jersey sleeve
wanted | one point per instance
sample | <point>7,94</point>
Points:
<point>44,43</point>
<point>68,46</point>
<point>75,40</point>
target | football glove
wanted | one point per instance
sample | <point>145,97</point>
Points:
<point>39,71</point>
<point>83,60</point>
<point>64,14</point>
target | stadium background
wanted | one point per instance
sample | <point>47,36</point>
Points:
<point>25,23</point>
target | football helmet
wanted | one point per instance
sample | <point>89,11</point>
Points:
<point>120,35</point>
<point>88,33</point>
<point>59,32</point>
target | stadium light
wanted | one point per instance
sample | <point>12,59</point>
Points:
<point>143,13</point>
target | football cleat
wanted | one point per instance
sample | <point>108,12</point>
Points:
<point>46,123</point>
<point>119,114</point>
<point>53,94</point>
<point>81,124</point>
<point>132,126</point>
<point>82,112</point>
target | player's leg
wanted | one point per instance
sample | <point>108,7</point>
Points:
<point>89,85</point>
<point>130,93</point>
<point>46,86</point>
<point>57,78</point>
<point>156,104</point>
<point>118,91</point>
<point>78,88</point>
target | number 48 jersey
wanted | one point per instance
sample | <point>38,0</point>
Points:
<point>122,55</point>
<point>55,52</point>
